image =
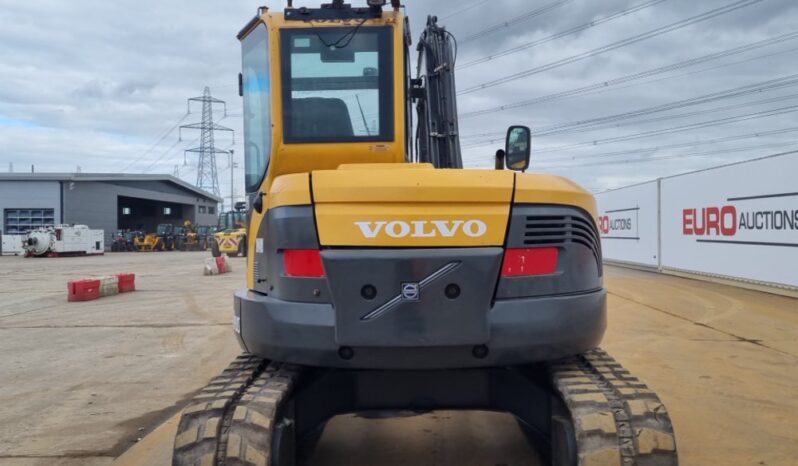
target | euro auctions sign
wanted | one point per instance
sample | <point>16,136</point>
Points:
<point>627,223</point>
<point>739,221</point>
<point>755,223</point>
<point>621,223</point>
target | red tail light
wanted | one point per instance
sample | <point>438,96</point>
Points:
<point>529,261</point>
<point>303,263</point>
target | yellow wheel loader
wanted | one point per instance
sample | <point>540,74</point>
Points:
<point>383,276</point>
<point>162,240</point>
<point>231,233</point>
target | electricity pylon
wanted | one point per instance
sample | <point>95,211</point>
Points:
<point>207,176</point>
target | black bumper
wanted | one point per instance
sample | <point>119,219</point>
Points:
<point>520,331</point>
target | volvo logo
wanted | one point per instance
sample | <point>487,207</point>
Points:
<point>410,291</point>
<point>423,228</point>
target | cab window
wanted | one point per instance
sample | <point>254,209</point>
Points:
<point>257,106</point>
<point>337,84</point>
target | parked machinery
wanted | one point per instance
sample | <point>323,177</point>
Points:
<point>147,242</point>
<point>205,236</point>
<point>186,237</point>
<point>123,241</point>
<point>139,240</point>
<point>11,245</point>
<point>130,236</point>
<point>63,240</point>
<point>162,240</point>
<point>231,235</point>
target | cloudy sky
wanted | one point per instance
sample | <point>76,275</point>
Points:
<point>617,91</point>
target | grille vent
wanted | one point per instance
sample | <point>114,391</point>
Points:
<point>557,230</point>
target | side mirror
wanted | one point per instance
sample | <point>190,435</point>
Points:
<point>517,148</point>
<point>257,201</point>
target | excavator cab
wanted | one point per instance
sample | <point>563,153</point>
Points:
<point>381,275</point>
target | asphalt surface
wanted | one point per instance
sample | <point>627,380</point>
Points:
<point>80,383</point>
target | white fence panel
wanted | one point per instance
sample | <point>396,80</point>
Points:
<point>738,221</point>
<point>628,224</point>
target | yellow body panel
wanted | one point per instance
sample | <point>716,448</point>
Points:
<point>382,166</point>
<point>420,207</point>
<point>535,188</point>
<point>412,224</point>
<point>288,190</point>
<point>422,185</point>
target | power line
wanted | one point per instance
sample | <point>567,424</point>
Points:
<point>611,120</point>
<point>153,146</point>
<point>571,128</point>
<point>166,152</point>
<point>534,13</point>
<point>681,145</point>
<point>613,46</point>
<point>590,159</point>
<point>464,9</point>
<point>561,34</point>
<point>677,116</point>
<point>643,74</point>
<point>678,129</point>
<point>163,154</point>
<point>657,132</point>
<point>676,156</point>
<point>742,91</point>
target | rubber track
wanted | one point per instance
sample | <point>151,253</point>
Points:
<point>255,418</point>
<point>618,421</point>
<point>231,421</point>
<point>200,429</point>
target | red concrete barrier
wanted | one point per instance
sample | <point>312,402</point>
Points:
<point>83,290</point>
<point>222,264</point>
<point>88,289</point>
<point>127,282</point>
<point>217,265</point>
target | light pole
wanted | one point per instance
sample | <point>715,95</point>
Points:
<point>232,190</point>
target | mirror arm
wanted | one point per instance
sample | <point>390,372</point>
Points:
<point>500,159</point>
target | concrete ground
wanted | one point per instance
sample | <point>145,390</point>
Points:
<point>78,381</point>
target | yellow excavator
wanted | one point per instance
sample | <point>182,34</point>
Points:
<point>382,276</point>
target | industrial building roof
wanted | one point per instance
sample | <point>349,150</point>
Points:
<point>44,176</point>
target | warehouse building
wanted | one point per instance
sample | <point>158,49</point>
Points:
<point>109,202</point>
